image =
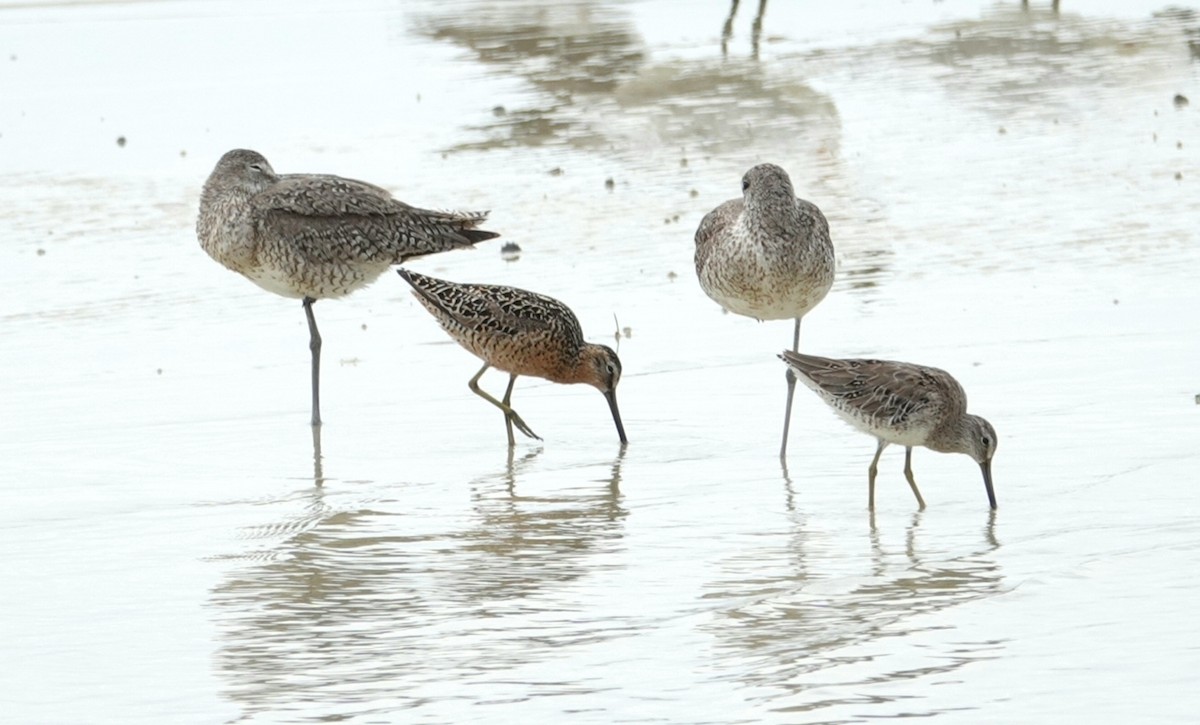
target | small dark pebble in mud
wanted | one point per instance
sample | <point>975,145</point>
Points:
<point>683,161</point>
<point>1197,398</point>
<point>1178,175</point>
<point>609,183</point>
<point>671,275</point>
<point>183,153</point>
<point>1180,100</point>
<point>510,251</point>
<point>121,141</point>
<point>499,111</point>
<point>1178,144</point>
<point>693,193</point>
<point>364,325</point>
<point>1003,130</point>
<point>159,371</point>
<point>41,252</point>
<point>556,171</point>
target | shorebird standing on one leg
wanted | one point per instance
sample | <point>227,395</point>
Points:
<point>316,236</point>
<point>901,403</point>
<point>766,256</point>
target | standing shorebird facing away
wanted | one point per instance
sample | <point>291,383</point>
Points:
<point>766,256</point>
<point>316,236</point>
<point>909,405</point>
<point>521,333</point>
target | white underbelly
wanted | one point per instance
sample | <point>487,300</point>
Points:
<point>896,435</point>
<point>274,280</point>
<point>785,305</point>
<point>750,286</point>
<point>326,282</point>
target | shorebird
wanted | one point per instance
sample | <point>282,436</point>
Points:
<point>316,236</point>
<point>521,333</point>
<point>766,256</point>
<point>909,405</point>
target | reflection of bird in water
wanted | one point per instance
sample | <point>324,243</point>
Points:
<point>525,542</point>
<point>910,537</point>
<point>767,255</point>
<point>521,333</point>
<point>755,29</point>
<point>788,487</point>
<point>515,465</point>
<point>316,236</point>
<point>318,466</point>
<point>325,595</point>
<point>1054,5</point>
<point>901,403</point>
<point>794,610</point>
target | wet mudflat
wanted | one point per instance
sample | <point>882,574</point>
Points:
<point>1010,195</point>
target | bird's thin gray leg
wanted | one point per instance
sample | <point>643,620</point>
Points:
<point>756,28</point>
<point>871,474</point>
<point>314,344</point>
<point>318,469</point>
<point>510,415</point>
<point>512,380</point>
<point>727,29</point>
<point>909,475</point>
<point>791,383</point>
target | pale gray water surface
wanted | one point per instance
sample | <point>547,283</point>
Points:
<point>1012,195</point>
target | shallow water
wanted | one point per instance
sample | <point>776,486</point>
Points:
<point>1011,197</point>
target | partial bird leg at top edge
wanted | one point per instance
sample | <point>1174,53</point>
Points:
<point>909,475</point>
<point>510,415</point>
<point>871,474</point>
<point>314,344</point>
<point>791,383</point>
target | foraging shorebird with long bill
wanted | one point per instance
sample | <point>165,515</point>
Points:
<point>521,333</point>
<point>901,403</point>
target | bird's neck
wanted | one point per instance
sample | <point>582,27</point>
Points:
<point>955,437</point>
<point>582,369</point>
<point>773,208</point>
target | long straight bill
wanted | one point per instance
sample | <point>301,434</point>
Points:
<point>986,467</point>
<point>611,397</point>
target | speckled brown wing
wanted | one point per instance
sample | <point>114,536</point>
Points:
<point>495,311</point>
<point>882,393</point>
<point>814,220</point>
<point>712,227</point>
<point>329,218</point>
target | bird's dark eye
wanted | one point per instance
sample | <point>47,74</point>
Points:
<point>745,184</point>
<point>256,167</point>
<point>987,441</point>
